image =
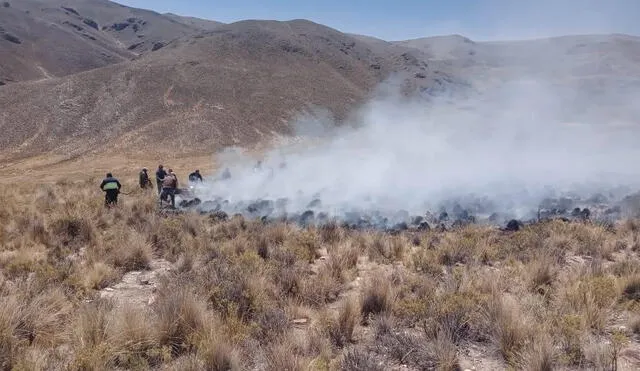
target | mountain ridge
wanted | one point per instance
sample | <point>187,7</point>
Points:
<point>215,85</point>
<point>230,86</point>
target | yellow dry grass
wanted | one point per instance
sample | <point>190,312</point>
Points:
<point>244,295</point>
<point>51,168</point>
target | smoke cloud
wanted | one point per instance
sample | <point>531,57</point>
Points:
<point>503,150</point>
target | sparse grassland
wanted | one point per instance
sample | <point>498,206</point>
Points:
<point>239,294</point>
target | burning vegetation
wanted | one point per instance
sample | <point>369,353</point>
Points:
<point>84,287</point>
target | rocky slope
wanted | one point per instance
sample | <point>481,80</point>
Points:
<point>47,38</point>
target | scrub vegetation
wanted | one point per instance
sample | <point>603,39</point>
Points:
<point>83,287</point>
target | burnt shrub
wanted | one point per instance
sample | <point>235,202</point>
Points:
<point>91,23</point>
<point>11,38</point>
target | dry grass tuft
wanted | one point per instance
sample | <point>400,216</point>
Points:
<point>331,233</point>
<point>342,260</point>
<point>446,352</point>
<point>9,322</point>
<point>37,359</point>
<point>284,355</point>
<point>90,337</point>
<point>542,273</point>
<point>23,261</point>
<point>99,275</point>
<point>42,320</point>
<point>321,288</point>
<point>71,231</point>
<point>631,289</point>
<point>406,348</point>
<point>215,353</point>
<point>220,357</point>
<point>181,315</point>
<point>273,324</point>
<point>591,298</point>
<point>133,254</point>
<point>377,298</point>
<point>634,324</point>
<point>189,362</point>
<point>356,359</point>
<point>341,329</point>
<point>134,337</point>
<point>507,328</point>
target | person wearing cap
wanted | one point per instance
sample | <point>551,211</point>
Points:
<point>111,187</point>
<point>145,182</point>
<point>160,174</point>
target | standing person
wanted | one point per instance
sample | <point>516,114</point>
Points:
<point>258,166</point>
<point>160,174</point>
<point>111,186</point>
<point>169,185</point>
<point>195,176</point>
<point>226,174</point>
<point>145,182</point>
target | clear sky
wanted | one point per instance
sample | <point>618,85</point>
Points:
<point>405,19</point>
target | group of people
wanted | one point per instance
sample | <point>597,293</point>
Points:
<point>166,183</point>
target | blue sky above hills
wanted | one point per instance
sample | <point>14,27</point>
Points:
<point>405,19</point>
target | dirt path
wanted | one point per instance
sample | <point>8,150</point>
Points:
<point>138,287</point>
<point>352,289</point>
<point>46,75</point>
<point>365,269</point>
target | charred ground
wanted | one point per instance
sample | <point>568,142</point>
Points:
<point>83,287</point>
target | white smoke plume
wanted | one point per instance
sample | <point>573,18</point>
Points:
<point>506,149</point>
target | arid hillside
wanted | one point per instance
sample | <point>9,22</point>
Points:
<point>236,84</point>
<point>203,24</point>
<point>46,38</point>
<point>93,77</point>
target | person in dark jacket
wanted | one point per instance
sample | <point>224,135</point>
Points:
<point>195,176</point>
<point>160,174</point>
<point>111,186</point>
<point>145,182</point>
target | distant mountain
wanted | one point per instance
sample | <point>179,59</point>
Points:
<point>580,55</point>
<point>597,75</point>
<point>237,84</point>
<point>46,38</point>
<point>203,24</point>
<point>93,76</point>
